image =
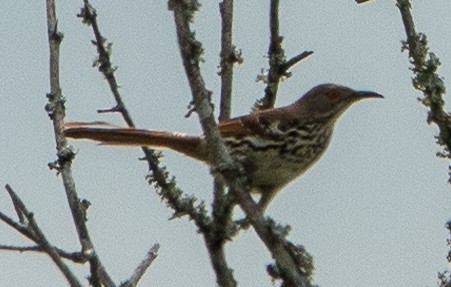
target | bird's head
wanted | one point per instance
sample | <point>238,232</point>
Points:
<point>330,100</point>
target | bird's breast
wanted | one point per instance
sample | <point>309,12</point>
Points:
<point>277,162</point>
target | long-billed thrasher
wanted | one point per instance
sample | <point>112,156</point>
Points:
<point>274,146</point>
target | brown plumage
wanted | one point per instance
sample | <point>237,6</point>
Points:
<point>275,146</point>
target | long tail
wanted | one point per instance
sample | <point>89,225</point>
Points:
<point>192,146</point>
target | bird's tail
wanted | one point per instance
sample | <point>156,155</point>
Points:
<point>192,146</point>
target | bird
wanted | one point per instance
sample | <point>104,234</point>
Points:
<point>274,146</point>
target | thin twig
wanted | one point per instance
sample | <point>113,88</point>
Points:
<point>278,64</point>
<point>223,203</point>
<point>42,240</point>
<point>165,184</point>
<point>76,257</point>
<point>293,61</point>
<point>23,229</point>
<point>151,255</point>
<point>19,212</point>
<point>89,15</point>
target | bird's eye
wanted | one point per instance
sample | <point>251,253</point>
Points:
<point>332,95</point>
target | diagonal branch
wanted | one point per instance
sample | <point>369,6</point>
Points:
<point>142,267</point>
<point>164,183</point>
<point>40,238</point>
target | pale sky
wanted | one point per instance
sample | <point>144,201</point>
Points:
<point>371,212</point>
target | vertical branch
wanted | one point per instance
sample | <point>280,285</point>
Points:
<point>56,111</point>
<point>229,56</point>
<point>425,66</point>
<point>276,57</point>
<point>278,64</point>
<point>191,51</point>
<point>223,202</point>
<point>426,79</point>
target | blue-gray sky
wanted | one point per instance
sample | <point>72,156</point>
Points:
<point>371,212</point>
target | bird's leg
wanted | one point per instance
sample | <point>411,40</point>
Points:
<point>267,194</point>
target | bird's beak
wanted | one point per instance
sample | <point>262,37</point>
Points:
<point>367,94</point>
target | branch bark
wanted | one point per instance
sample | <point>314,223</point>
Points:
<point>191,51</point>
<point>142,267</point>
<point>425,66</point>
<point>223,203</point>
<point>56,111</point>
<point>39,238</point>
<point>166,185</point>
<point>278,64</point>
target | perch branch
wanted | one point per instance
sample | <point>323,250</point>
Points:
<point>191,51</point>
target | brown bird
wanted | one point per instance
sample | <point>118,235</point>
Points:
<point>275,146</point>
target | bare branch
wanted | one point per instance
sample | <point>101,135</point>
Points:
<point>191,51</point>
<point>427,80</point>
<point>42,240</point>
<point>165,184</point>
<point>18,226</point>
<point>142,267</point>
<point>223,203</point>
<point>103,62</point>
<point>56,111</point>
<point>276,57</point>
<point>229,56</point>
<point>19,212</point>
<point>76,257</point>
<point>278,64</point>
<point>293,61</point>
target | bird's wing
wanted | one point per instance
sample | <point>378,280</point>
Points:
<point>262,124</point>
<point>241,127</point>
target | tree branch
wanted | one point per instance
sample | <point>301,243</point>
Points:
<point>425,66</point>
<point>76,257</point>
<point>229,56</point>
<point>165,184</point>
<point>56,111</point>
<point>191,51</point>
<point>278,65</point>
<point>142,267</point>
<point>223,203</point>
<point>40,238</point>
